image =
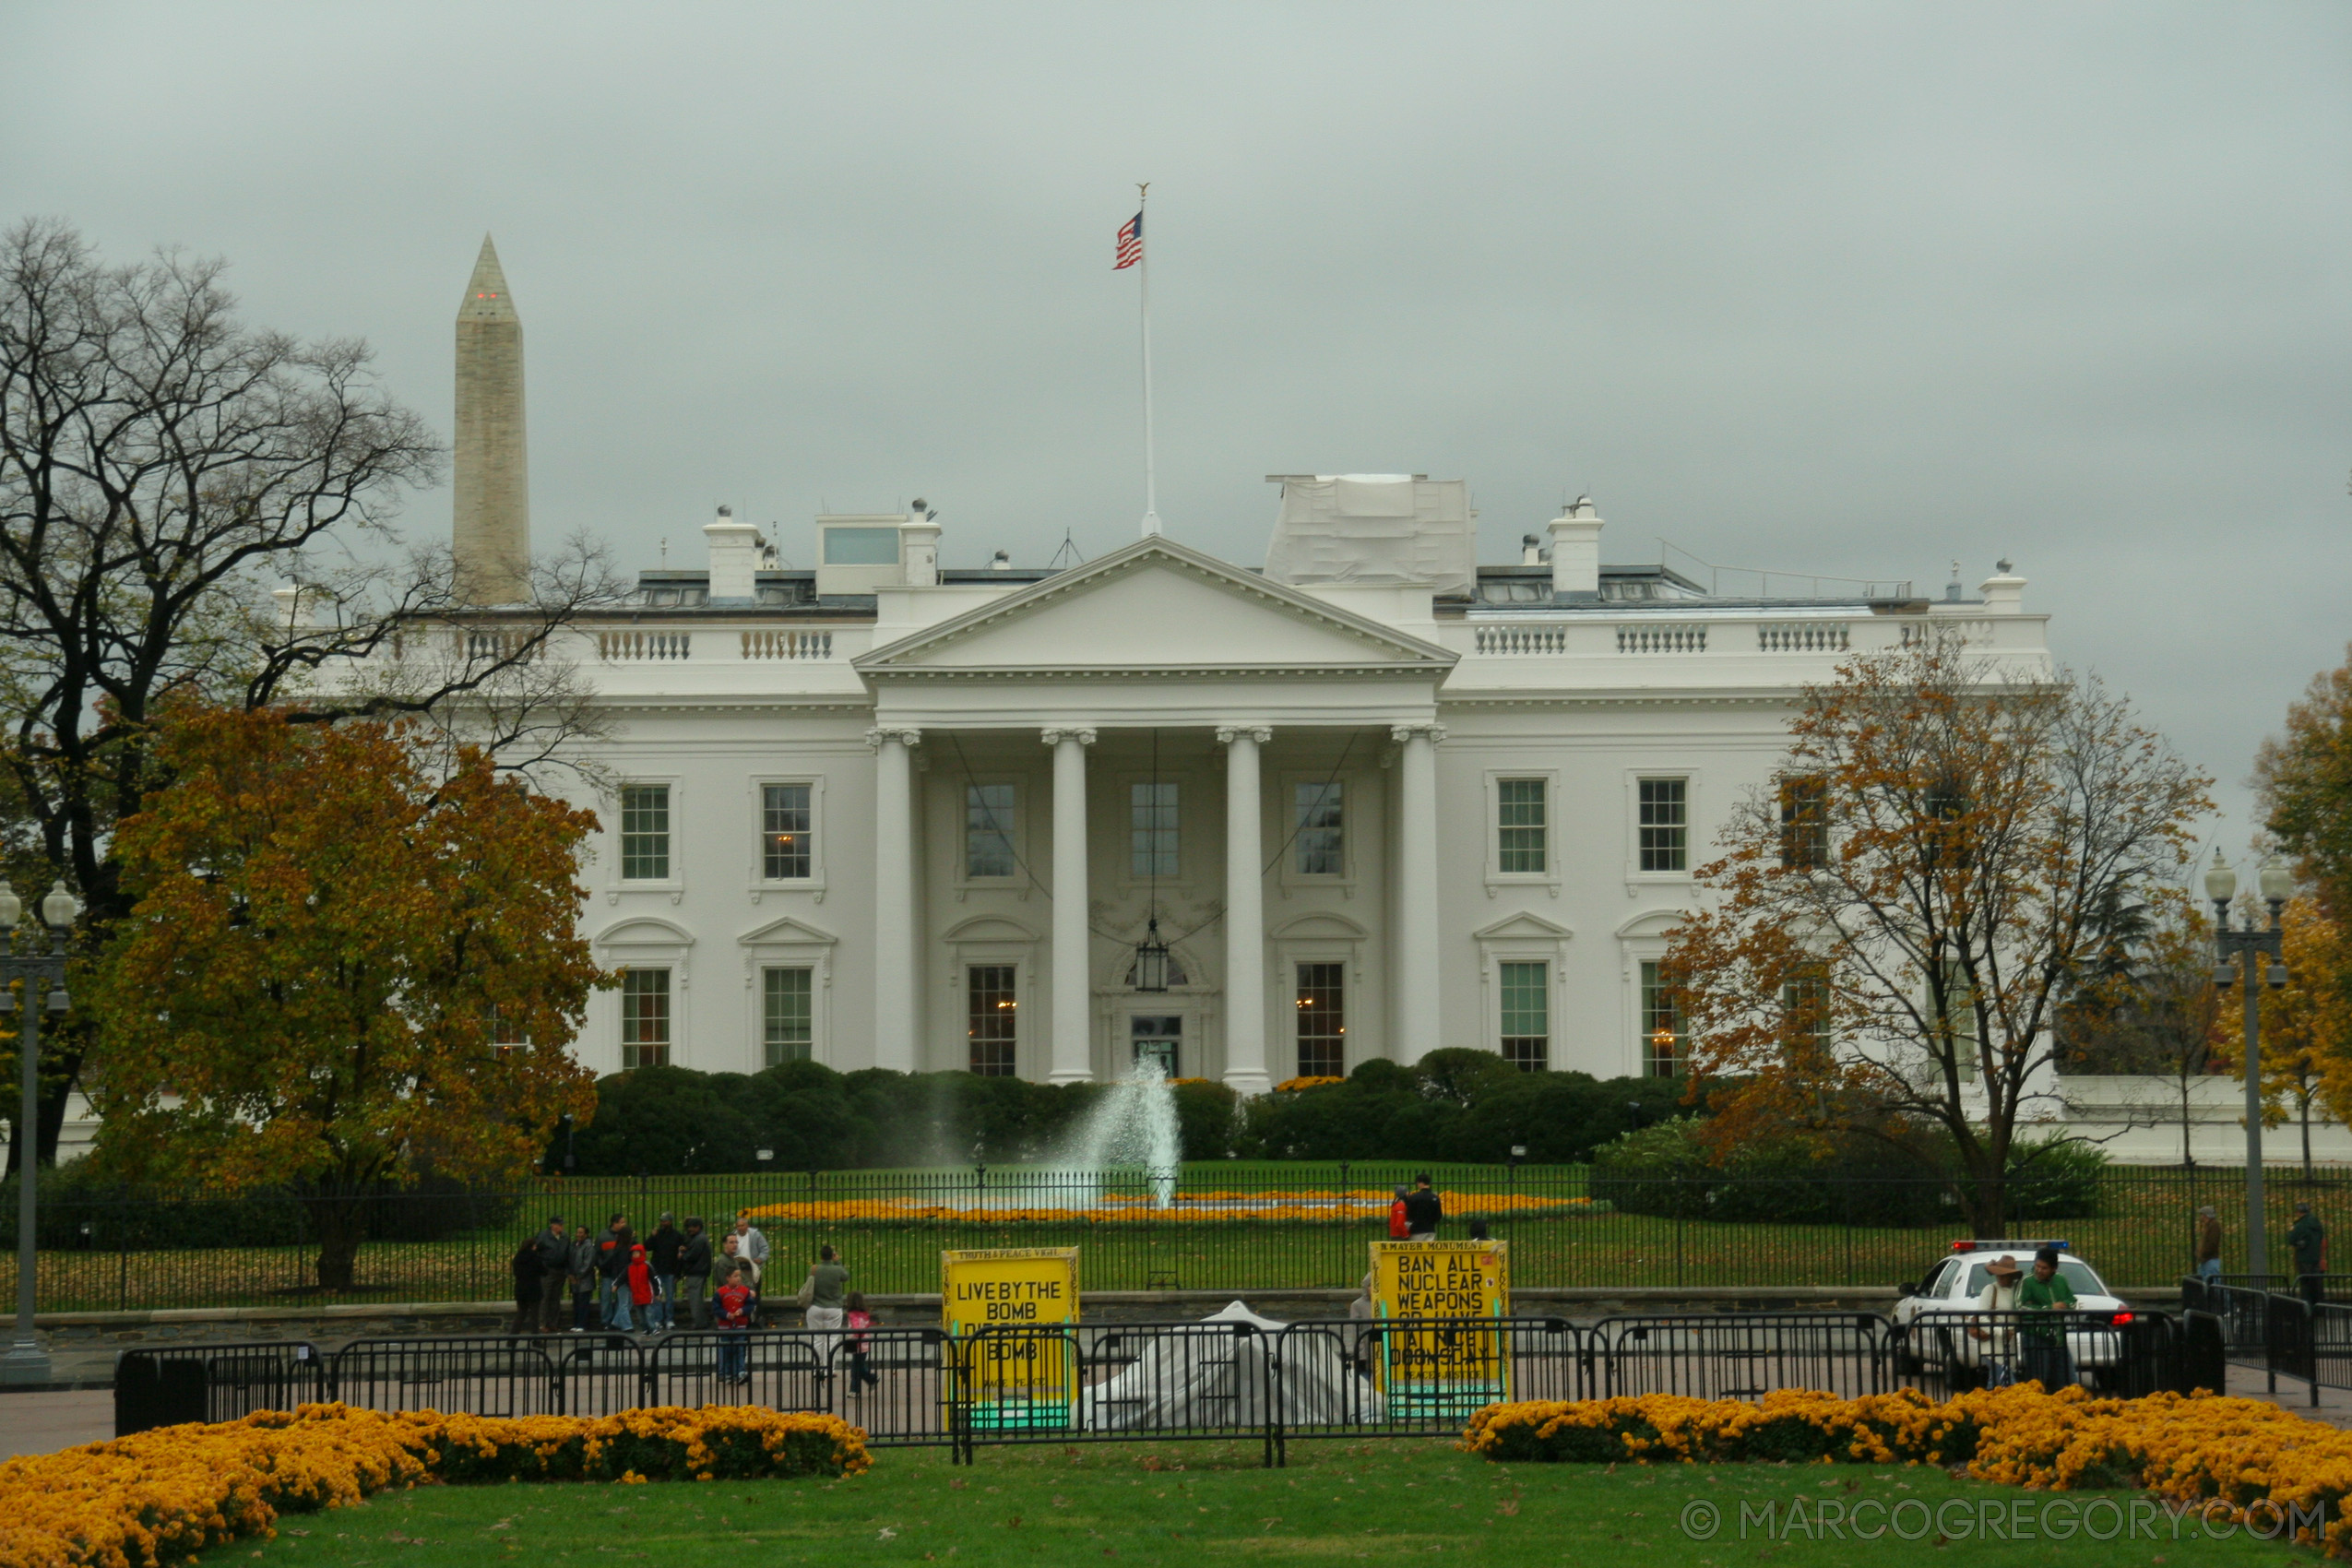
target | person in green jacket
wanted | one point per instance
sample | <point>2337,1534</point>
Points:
<point>2307,1239</point>
<point>2043,1345</point>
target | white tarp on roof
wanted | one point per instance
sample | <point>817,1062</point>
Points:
<point>1375,528</point>
<point>1180,1380</point>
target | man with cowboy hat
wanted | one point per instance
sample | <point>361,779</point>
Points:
<point>2000,1340</point>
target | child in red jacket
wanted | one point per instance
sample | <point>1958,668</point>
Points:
<point>733,1307</point>
<point>640,1281</point>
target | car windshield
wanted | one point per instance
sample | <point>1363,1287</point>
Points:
<point>2074,1271</point>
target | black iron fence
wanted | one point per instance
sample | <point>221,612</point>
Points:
<point>1237,1379</point>
<point>1260,1227</point>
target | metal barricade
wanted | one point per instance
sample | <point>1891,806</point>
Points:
<point>893,1383</point>
<point>2244,1313</point>
<point>1738,1355</point>
<point>2289,1345</point>
<point>481,1377</point>
<point>1412,1377</point>
<point>170,1385</point>
<point>1093,1382</point>
<point>1946,1352</point>
<point>2205,1353</point>
<point>772,1369</point>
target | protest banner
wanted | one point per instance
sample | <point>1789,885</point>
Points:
<point>1009,1312</point>
<point>1439,1359</point>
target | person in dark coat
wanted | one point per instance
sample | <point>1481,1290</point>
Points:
<point>527,1285</point>
<point>1422,1210</point>
<point>554,1246</point>
<point>694,1273</point>
<point>612,1250</point>
<point>661,1251</point>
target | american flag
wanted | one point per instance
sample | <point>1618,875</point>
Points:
<point>1131,244</point>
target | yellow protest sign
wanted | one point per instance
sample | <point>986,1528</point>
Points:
<point>1009,1310</point>
<point>1439,1360</point>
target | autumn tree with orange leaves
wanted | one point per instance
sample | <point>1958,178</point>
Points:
<point>331,936</point>
<point>1896,923</point>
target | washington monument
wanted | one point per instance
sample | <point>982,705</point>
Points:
<point>491,534</point>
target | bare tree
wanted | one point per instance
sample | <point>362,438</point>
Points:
<point>163,468</point>
<point>1897,919</point>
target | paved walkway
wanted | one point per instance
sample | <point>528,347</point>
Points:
<point>42,1423</point>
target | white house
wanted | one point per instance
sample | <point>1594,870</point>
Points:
<point>1378,799</point>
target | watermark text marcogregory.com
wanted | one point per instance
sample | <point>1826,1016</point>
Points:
<point>1997,1518</point>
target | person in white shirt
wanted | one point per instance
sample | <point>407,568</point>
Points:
<point>751,1243</point>
<point>2000,1340</point>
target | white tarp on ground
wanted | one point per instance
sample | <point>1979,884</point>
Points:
<point>1203,1380</point>
<point>1374,528</point>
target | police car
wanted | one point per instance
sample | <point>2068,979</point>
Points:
<point>1955,1283</point>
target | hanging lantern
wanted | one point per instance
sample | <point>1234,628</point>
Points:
<point>1151,960</point>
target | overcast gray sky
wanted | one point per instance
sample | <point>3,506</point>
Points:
<point>1845,289</point>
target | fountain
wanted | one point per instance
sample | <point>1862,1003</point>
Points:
<point>1132,1127</point>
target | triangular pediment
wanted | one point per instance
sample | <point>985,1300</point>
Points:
<point>1524,926</point>
<point>1156,605</point>
<point>786,929</point>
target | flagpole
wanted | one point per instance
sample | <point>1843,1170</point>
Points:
<point>1151,483</point>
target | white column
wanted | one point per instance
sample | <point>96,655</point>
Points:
<point>1417,949</point>
<point>896,976</point>
<point>1244,914</point>
<point>1073,976</point>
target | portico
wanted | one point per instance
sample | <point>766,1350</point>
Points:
<point>1226,744</point>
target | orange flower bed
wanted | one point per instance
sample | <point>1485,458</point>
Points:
<point>159,1497</point>
<point>2231,1454</point>
<point>1286,1207</point>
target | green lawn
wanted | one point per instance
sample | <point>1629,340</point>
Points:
<point>2140,1240</point>
<point>1183,1504</point>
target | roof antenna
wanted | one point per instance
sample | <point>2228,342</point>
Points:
<point>665,550</point>
<point>1069,547</point>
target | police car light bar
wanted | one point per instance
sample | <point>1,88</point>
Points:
<point>2008,1247</point>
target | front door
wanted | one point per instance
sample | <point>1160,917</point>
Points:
<point>1158,1037</point>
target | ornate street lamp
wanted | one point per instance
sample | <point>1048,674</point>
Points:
<point>26,1361</point>
<point>1151,953</point>
<point>2247,949</point>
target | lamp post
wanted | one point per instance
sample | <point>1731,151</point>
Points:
<point>2247,949</point>
<point>26,1361</point>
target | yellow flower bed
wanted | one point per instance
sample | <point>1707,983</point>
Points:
<point>159,1497</point>
<point>1330,1207</point>
<point>2238,1453</point>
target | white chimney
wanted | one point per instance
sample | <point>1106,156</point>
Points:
<point>1576,550</point>
<point>922,550</point>
<point>2004,592</point>
<point>1530,550</point>
<point>734,556</point>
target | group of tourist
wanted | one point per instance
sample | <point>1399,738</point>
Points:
<point>674,1279</point>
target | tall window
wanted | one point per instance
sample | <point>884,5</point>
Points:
<point>788,1015</point>
<point>1519,824</point>
<point>1806,1001</point>
<point>1158,1038</point>
<point>1958,1016</point>
<point>1319,846</point>
<point>644,832</point>
<point>645,1018</point>
<point>786,842</point>
<point>994,1011</point>
<point>1527,1016</point>
<point>1665,824</point>
<point>1151,833</point>
<point>988,830</point>
<point>1804,823</point>
<point>1323,1021</point>
<point>1664,1041</point>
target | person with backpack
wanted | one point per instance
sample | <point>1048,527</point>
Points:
<point>862,1372</point>
<point>661,1251</point>
<point>526,1264</point>
<point>583,1279</point>
<point>694,1274</point>
<point>553,1247</point>
<point>640,1283</point>
<point>612,1250</point>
